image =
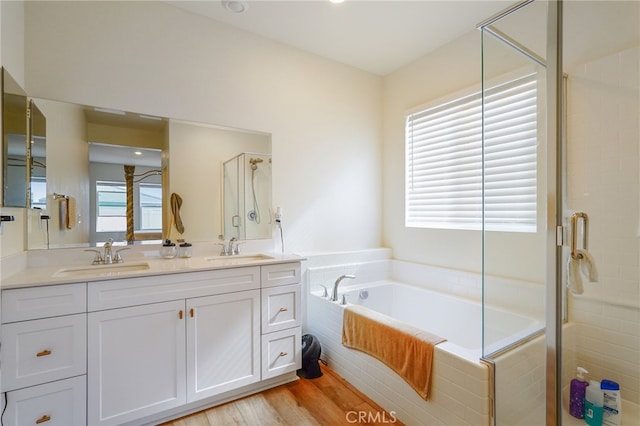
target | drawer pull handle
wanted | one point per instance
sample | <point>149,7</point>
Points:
<point>180,314</point>
<point>283,310</point>
<point>191,312</point>
<point>44,353</point>
<point>283,354</point>
<point>43,419</point>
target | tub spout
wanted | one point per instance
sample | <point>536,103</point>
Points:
<point>334,295</point>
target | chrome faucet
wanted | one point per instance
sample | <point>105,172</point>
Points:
<point>108,257</point>
<point>334,295</point>
<point>230,248</point>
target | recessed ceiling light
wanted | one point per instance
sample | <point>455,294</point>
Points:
<point>137,152</point>
<point>235,6</point>
<point>336,1</point>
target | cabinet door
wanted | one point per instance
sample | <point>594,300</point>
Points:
<point>61,403</point>
<point>223,343</point>
<point>136,362</point>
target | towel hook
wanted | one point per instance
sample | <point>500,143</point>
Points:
<point>574,233</point>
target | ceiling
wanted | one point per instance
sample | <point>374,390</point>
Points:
<point>373,35</point>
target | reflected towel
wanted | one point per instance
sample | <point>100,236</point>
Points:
<point>406,350</point>
<point>70,216</point>
<point>176,203</point>
<point>582,264</point>
<point>63,205</point>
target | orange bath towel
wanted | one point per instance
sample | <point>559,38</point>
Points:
<point>406,350</point>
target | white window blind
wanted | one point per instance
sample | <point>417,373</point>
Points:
<point>444,161</point>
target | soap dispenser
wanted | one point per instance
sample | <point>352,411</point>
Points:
<point>593,404</point>
<point>577,392</point>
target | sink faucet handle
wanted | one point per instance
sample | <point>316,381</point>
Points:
<point>325,293</point>
<point>223,250</point>
<point>97,260</point>
<point>235,249</point>
<point>117,258</point>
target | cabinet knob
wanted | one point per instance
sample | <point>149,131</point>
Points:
<point>191,312</point>
<point>43,419</point>
<point>44,353</point>
<point>283,354</point>
<point>180,314</point>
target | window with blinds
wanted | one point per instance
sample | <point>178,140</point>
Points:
<point>445,157</point>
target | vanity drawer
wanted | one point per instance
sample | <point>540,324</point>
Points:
<point>280,274</point>
<point>38,351</point>
<point>61,403</point>
<point>42,302</point>
<point>125,292</point>
<point>281,352</point>
<point>281,308</point>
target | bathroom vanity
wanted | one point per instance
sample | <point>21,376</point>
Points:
<point>148,342</point>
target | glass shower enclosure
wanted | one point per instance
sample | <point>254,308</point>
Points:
<point>566,76</point>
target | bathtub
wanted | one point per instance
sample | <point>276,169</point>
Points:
<point>457,319</point>
<point>460,391</point>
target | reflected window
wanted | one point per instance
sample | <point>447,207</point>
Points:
<point>39,192</point>
<point>150,206</point>
<point>112,206</point>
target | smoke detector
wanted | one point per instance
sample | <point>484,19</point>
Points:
<point>235,6</point>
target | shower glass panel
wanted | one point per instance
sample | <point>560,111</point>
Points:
<point>247,196</point>
<point>601,61</point>
<point>514,211</point>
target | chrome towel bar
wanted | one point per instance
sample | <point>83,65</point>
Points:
<point>574,233</point>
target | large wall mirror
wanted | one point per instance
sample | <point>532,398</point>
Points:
<point>97,157</point>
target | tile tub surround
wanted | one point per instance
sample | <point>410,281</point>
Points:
<point>460,382</point>
<point>459,387</point>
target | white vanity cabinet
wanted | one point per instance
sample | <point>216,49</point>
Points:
<point>144,349</point>
<point>43,352</point>
<point>197,335</point>
<point>281,319</point>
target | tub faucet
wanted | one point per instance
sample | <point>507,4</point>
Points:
<point>334,295</point>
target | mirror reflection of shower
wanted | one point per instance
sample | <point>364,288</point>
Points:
<point>254,214</point>
<point>247,196</point>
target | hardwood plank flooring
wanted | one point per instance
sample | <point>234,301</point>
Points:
<point>326,401</point>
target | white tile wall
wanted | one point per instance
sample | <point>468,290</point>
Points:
<point>603,137</point>
<point>459,387</point>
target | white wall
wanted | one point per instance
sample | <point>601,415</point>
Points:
<point>150,57</point>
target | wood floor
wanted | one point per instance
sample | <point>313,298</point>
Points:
<point>328,400</point>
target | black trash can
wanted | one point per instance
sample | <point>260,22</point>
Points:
<point>310,357</point>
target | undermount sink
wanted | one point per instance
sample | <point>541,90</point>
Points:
<point>101,269</point>
<point>238,259</point>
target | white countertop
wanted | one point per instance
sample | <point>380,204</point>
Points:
<point>149,263</point>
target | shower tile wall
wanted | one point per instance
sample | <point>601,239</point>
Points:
<point>602,177</point>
